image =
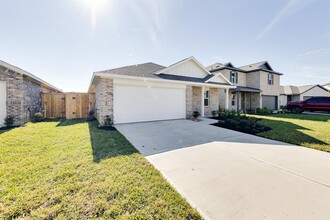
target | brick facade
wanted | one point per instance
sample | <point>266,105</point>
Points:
<point>23,95</point>
<point>104,99</point>
<point>197,98</point>
<point>214,100</point>
<point>189,102</point>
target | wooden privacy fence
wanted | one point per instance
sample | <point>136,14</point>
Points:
<point>70,105</point>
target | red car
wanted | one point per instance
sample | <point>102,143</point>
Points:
<point>311,104</point>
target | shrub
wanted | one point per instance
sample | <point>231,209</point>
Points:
<point>196,114</point>
<point>38,117</point>
<point>9,121</point>
<point>225,114</point>
<point>264,111</point>
<point>108,121</point>
<point>231,122</point>
<point>91,114</point>
<point>214,113</point>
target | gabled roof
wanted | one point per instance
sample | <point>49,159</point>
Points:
<point>219,65</point>
<point>255,66</point>
<point>29,75</point>
<point>140,70</point>
<point>158,72</point>
<point>297,90</point>
<point>264,65</point>
<point>183,61</point>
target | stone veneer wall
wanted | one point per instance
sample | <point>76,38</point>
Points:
<point>104,99</point>
<point>189,101</point>
<point>14,93</point>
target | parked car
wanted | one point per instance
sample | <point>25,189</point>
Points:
<point>311,104</point>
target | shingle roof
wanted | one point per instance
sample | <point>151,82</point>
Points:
<point>148,70</point>
<point>254,66</point>
<point>245,89</point>
<point>296,90</point>
<point>140,70</point>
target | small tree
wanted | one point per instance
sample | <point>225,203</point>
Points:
<point>9,121</point>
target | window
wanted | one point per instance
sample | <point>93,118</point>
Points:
<point>233,77</point>
<point>233,99</point>
<point>270,79</point>
<point>206,98</point>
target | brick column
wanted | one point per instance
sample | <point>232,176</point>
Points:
<point>104,99</point>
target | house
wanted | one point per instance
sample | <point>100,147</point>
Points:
<point>258,85</point>
<point>300,93</point>
<point>20,93</point>
<point>149,91</point>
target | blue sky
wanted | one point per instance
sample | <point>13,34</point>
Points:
<point>64,41</point>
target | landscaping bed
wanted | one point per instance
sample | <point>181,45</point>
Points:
<point>70,169</point>
<point>236,121</point>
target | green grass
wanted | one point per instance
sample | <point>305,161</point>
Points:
<point>311,131</point>
<point>70,169</point>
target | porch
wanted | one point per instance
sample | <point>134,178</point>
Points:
<point>245,99</point>
<point>205,99</point>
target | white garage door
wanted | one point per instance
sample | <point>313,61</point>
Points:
<point>142,101</point>
<point>3,108</point>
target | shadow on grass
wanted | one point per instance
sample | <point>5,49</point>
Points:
<point>107,144</point>
<point>302,117</point>
<point>69,122</point>
<point>288,132</point>
<point>3,130</point>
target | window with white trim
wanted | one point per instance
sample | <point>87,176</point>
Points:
<point>234,77</point>
<point>270,79</point>
<point>206,98</point>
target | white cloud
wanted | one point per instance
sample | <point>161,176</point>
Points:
<point>292,7</point>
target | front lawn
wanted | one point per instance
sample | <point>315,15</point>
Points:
<point>306,130</point>
<point>69,169</point>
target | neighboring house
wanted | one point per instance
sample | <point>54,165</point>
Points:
<point>301,93</point>
<point>149,92</point>
<point>327,86</point>
<point>20,93</point>
<point>258,85</point>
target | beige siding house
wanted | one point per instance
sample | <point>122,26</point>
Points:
<point>300,93</point>
<point>258,85</point>
<point>150,92</point>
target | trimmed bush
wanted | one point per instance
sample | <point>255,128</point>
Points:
<point>196,114</point>
<point>9,121</point>
<point>38,117</point>
<point>108,121</point>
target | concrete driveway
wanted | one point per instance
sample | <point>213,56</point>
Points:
<point>230,175</point>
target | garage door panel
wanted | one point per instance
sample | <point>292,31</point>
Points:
<point>3,107</point>
<point>269,102</point>
<point>147,103</point>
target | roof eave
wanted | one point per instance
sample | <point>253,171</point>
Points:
<point>118,76</point>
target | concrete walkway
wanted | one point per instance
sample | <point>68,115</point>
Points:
<point>231,175</point>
